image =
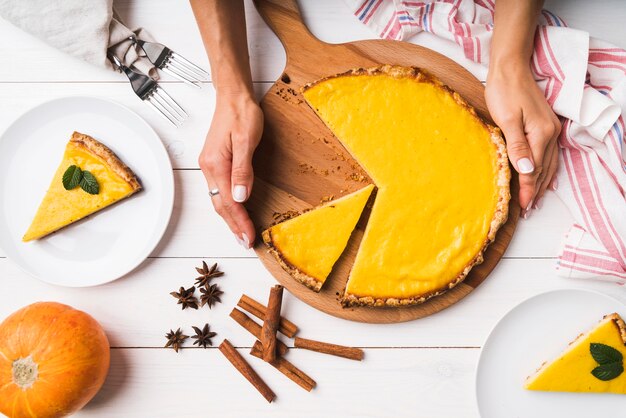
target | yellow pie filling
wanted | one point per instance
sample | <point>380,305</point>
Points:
<point>438,174</point>
<point>309,245</point>
<point>61,207</point>
<point>571,371</point>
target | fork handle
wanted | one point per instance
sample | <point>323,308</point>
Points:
<point>156,53</point>
<point>142,84</point>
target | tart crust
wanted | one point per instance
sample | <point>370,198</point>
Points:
<point>503,182</point>
<point>619,323</point>
<point>309,281</point>
<point>109,157</point>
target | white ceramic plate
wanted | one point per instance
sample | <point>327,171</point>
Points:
<point>537,330</point>
<point>108,244</point>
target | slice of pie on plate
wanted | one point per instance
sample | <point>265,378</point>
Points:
<point>442,176</point>
<point>61,207</point>
<point>587,365</point>
<point>308,245</point>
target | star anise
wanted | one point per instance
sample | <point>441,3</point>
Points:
<point>206,274</point>
<point>210,295</point>
<point>175,339</point>
<point>186,298</point>
<point>203,336</point>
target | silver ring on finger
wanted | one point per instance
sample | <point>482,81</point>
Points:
<point>214,192</point>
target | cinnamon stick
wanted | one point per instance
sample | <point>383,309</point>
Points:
<point>255,329</point>
<point>287,328</point>
<point>246,370</point>
<point>327,348</point>
<point>271,322</point>
<point>286,368</point>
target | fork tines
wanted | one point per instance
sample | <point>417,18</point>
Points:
<point>167,107</point>
<point>149,91</point>
<point>172,63</point>
<point>180,68</point>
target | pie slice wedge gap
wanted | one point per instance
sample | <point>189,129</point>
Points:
<point>308,246</point>
<point>572,370</point>
<point>60,207</point>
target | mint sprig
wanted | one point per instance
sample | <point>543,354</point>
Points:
<point>89,183</point>
<point>610,360</point>
<point>605,354</point>
<point>74,177</point>
<point>608,371</point>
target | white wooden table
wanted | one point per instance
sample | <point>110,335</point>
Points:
<point>423,368</point>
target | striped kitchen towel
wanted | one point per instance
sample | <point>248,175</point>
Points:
<point>584,80</point>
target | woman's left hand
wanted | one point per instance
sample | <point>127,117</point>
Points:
<point>226,160</point>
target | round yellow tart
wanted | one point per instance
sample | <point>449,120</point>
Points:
<point>441,172</point>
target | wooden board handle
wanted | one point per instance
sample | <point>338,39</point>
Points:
<point>284,17</point>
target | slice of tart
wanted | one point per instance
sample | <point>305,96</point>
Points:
<point>442,176</point>
<point>593,362</point>
<point>308,245</point>
<point>61,207</point>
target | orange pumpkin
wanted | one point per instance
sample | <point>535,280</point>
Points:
<point>53,360</point>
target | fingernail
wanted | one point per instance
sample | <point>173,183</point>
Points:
<point>538,204</point>
<point>246,240</point>
<point>240,241</point>
<point>525,166</point>
<point>555,184</point>
<point>240,193</point>
<point>526,212</point>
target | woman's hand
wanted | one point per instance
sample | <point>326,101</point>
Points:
<point>226,159</point>
<point>237,124</point>
<point>530,127</point>
<point>517,104</point>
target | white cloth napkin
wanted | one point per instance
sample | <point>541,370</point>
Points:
<point>584,80</point>
<point>84,29</point>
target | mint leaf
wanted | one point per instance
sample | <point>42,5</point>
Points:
<point>89,183</point>
<point>605,354</point>
<point>610,360</point>
<point>72,177</point>
<point>608,371</point>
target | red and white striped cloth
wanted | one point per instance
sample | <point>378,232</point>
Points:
<point>584,80</point>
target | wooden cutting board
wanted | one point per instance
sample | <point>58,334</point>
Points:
<point>299,162</point>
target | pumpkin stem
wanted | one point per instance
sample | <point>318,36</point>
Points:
<point>25,372</point>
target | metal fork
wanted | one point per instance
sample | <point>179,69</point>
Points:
<point>172,63</point>
<point>149,91</point>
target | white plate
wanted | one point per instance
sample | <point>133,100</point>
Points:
<point>108,244</point>
<point>537,330</point>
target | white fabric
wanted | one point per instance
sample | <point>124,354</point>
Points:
<point>86,29</point>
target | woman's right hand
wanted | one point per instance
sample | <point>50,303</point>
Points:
<point>517,104</point>
<point>226,159</point>
<point>530,127</point>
